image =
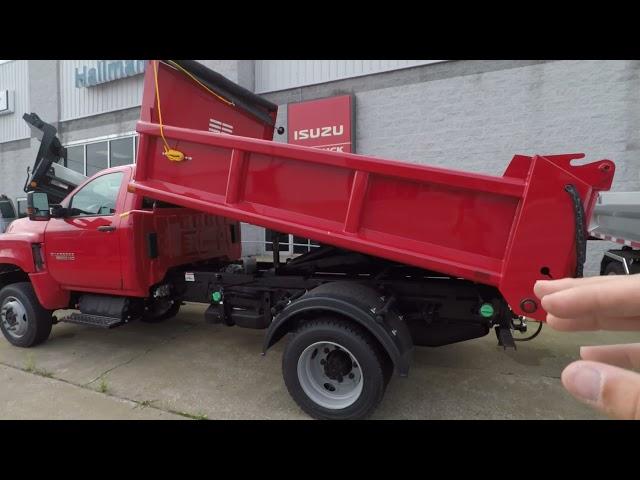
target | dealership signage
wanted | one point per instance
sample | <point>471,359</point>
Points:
<point>326,124</point>
<point>104,71</point>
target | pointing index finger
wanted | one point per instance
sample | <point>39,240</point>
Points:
<point>608,299</point>
<point>547,287</point>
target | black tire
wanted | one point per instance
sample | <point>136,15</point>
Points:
<point>151,316</point>
<point>39,320</point>
<point>614,268</point>
<point>373,363</point>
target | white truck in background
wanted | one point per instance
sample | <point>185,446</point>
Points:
<point>616,218</point>
<point>10,210</point>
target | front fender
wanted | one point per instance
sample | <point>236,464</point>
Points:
<point>15,249</point>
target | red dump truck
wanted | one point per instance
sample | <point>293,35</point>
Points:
<point>410,254</point>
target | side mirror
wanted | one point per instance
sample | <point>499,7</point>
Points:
<point>38,206</point>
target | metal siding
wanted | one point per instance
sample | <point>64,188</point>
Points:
<point>87,101</point>
<point>273,75</point>
<point>14,76</point>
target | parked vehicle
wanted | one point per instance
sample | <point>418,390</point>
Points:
<point>410,255</point>
<point>8,212</point>
<point>616,218</point>
<point>50,173</point>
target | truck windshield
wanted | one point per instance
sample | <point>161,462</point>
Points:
<point>98,197</point>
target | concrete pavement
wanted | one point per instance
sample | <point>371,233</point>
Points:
<point>184,368</point>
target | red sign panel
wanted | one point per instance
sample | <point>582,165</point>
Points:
<point>325,124</point>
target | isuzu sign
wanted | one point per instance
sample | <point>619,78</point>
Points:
<point>326,124</point>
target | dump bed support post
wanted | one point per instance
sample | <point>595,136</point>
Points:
<point>356,201</point>
<point>276,249</point>
<point>234,181</point>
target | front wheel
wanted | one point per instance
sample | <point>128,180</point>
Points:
<point>23,321</point>
<point>162,310</point>
<point>334,370</point>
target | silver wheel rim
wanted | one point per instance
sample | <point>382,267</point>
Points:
<point>14,317</point>
<point>326,378</point>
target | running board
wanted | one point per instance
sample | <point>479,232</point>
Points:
<point>93,320</point>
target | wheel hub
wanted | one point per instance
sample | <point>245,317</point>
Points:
<point>338,365</point>
<point>330,375</point>
<point>14,317</point>
<point>11,317</point>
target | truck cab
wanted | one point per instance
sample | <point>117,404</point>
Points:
<point>103,227</point>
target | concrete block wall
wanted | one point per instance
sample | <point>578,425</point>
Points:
<point>14,159</point>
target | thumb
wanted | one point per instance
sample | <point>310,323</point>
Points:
<point>612,390</point>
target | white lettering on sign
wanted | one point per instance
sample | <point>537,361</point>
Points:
<point>189,277</point>
<point>332,149</point>
<point>103,72</point>
<point>306,133</point>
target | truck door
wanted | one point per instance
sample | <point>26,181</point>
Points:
<point>83,249</point>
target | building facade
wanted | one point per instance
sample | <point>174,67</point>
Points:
<point>469,115</point>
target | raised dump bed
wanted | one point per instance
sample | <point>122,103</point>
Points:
<point>217,156</point>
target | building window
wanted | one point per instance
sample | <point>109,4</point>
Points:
<point>97,157</point>
<point>289,244</point>
<point>75,158</point>
<point>92,156</point>
<point>284,238</point>
<point>121,151</point>
<point>303,245</point>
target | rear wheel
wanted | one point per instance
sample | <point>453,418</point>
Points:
<point>23,321</point>
<point>614,268</point>
<point>334,370</point>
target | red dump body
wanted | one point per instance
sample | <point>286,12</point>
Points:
<point>501,231</point>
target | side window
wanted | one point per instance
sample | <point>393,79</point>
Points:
<point>97,197</point>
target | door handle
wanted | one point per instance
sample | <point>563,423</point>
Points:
<point>106,228</point>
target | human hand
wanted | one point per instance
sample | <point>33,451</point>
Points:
<point>602,379</point>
